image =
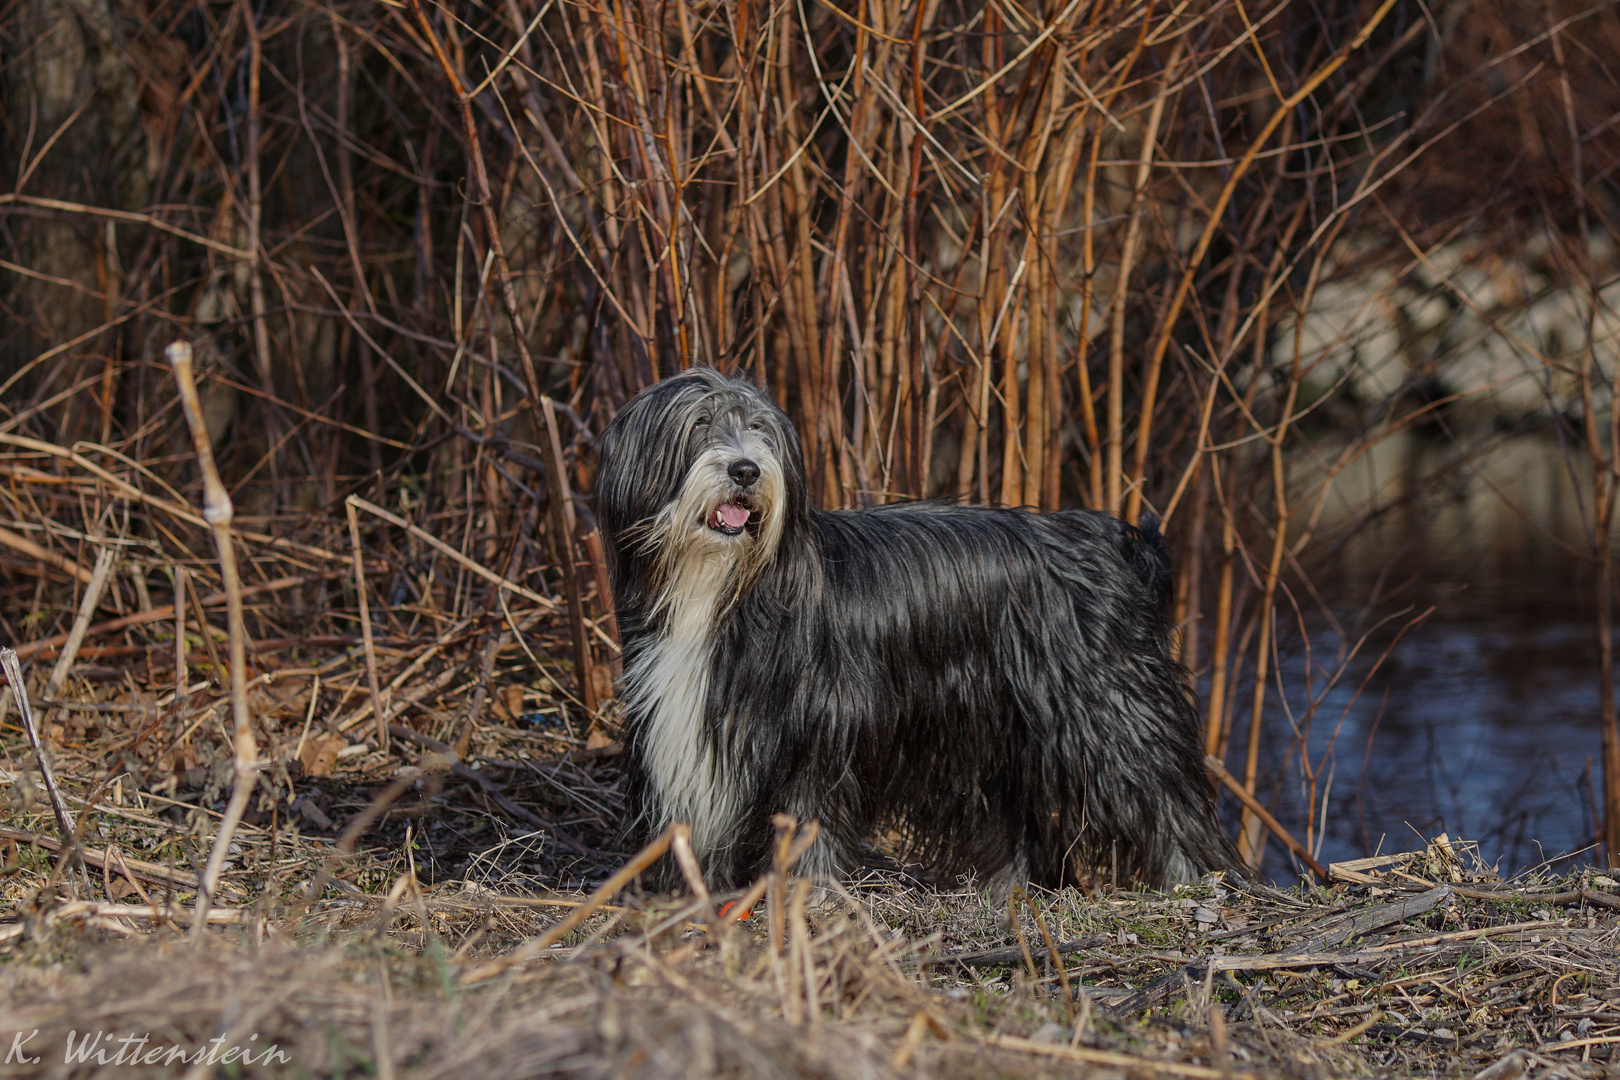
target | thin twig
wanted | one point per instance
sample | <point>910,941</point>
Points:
<point>379,716</point>
<point>1217,769</point>
<point>19,691</point>
<point>217,510</point>
<point>563,534</point>
<point>81,622</point>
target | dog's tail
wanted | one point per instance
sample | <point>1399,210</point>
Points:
<point>1145,551</point>
<point>1194,842</point>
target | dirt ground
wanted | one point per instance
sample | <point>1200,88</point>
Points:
<point>401,915</point>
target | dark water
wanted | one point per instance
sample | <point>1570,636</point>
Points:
<point>1481,720</point>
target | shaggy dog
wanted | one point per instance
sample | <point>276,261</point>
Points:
<point>996,684</point>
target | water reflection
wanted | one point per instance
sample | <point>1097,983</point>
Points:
<point>1483,720</point>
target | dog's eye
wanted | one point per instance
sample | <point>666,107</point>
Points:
<point>756,426</point>
<point>699,424</point>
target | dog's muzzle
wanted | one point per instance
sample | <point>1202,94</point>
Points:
<point>731,516</point>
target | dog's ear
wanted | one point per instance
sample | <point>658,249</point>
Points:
<point>643,454</point>
<point>607,505</point>
<point>626,490</point>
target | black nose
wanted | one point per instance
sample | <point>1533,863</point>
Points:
<point>744,472</point>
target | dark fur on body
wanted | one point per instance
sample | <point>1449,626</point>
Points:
<point>997,683</point>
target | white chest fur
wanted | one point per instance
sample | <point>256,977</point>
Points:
<point>668,686</point>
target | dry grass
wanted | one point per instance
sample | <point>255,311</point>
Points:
<point>379,962</point>
<point>1049,254</point>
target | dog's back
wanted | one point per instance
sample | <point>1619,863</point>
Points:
<point>1022,657</point>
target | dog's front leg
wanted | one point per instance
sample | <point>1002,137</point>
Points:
<point>840,824</point>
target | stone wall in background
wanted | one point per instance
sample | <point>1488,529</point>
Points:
<point>1490,335</point>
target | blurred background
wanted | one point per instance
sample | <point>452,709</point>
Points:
<point>1330,287</point>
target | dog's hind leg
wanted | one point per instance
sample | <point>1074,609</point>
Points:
<point>1000,884</point>
<point>1198,845</point>
<point>1179,838</point>
<point>1019,847</point>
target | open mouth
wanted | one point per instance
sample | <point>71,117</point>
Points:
<point>729,518</point>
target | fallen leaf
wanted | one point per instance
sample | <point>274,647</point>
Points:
<point>320,754</point>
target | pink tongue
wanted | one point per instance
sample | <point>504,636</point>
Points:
<point>731,515</point>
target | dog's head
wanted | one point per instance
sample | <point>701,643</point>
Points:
<point>697,467</point>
